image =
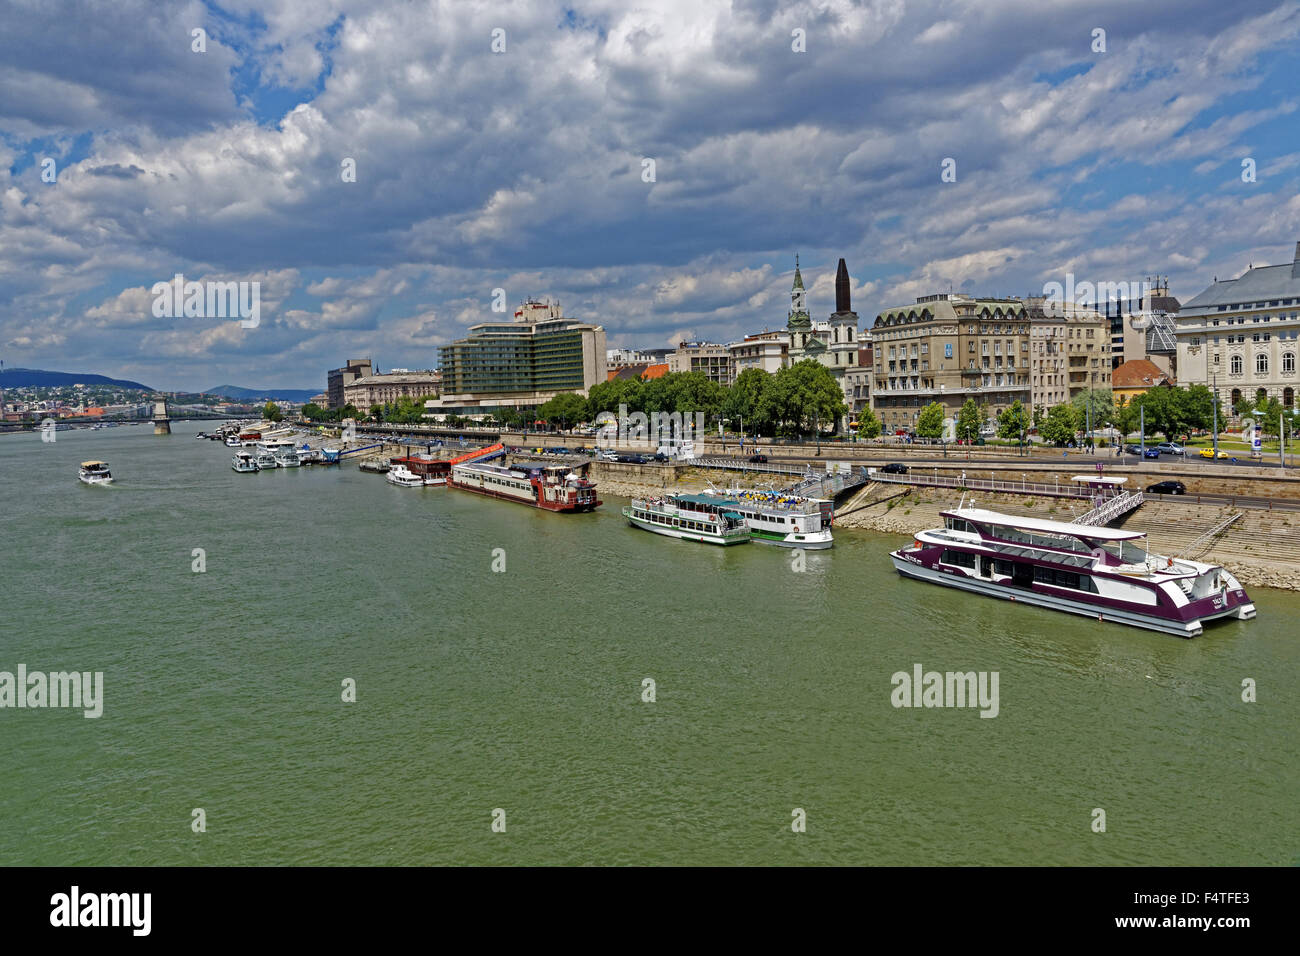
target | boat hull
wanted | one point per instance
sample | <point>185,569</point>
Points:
<point>94,480</point>
<point>684,535</point>
<point>912,569</point>
<point>812,541</point>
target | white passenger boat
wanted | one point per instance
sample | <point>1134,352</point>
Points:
<point>244,461</point>
<point>1105,573</point>
<point>700,518</point>
<point>281,449</point>
<point>266,461</point>
<point>403,476</point>
<point>95,473</point>
<point>788,521</point>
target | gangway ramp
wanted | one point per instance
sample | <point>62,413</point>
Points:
<point>482,454</point>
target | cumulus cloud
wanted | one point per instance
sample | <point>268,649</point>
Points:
<point>522,170</point>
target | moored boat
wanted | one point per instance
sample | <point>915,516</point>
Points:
<point>788,521</point>
<point>266,461</point>
<point>702,518</point>
<point>403,476</point>
<point>1100,572</point>
<point>547,486</point>
<point>244,461</point>
<point>95,473</point>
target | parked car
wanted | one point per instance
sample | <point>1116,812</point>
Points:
<point>1151,452</point>
<point>1210,453</point>
<point>1167,488</point>
<point>660,457</point>
<point>894,468</point>
<point>633,459</point>
<point>1132,449</point>
<point>758,459</point>
<point>1172,448</point>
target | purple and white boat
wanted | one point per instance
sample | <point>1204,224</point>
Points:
<point>1105,573</point>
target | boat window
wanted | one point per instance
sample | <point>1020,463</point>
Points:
<point>960,558</point>
<point>1064,579</point>
<point>1002,566</point>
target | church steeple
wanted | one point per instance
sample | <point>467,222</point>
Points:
<point>842,301</point>
<point>799,317</point>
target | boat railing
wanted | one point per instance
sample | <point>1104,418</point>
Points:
<point>1202,542</point>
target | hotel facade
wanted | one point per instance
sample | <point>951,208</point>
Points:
<point>520,364</point>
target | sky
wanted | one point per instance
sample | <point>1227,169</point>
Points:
<point>506,146</point>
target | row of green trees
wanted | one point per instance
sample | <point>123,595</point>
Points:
<point>796,400</point>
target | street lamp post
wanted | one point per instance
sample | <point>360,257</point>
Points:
<point>1214,405</point>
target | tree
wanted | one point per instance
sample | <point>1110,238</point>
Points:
<point>805,395</point>
<point>1040,413</point>
<point>744,400</point>
<point>1267,413</point>
<point>566,408</point>
<point>983,416</point>
<point>1013,421</point>
<point>312,412</point>
<point>1060,424</point>
<point>868,424</point>
<point>271,412</point>
<point>929,424</point>
<point>1195,406</point>
<point>968,421</point>
<point>1125,416</point>
<point>1100,402</point>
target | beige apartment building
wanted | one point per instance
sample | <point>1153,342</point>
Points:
<point>947,348</point>
<point>1069,351</point>
<point>363,393</point>
<point>712,359</point>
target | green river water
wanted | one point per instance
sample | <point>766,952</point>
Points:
<point>522,690</point>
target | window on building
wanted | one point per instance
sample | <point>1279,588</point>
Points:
<point>1288,362</point>
<point>1261,362</point>
<point>1235,365</point>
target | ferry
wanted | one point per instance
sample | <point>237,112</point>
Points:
<point>401,475</point>
<point>95,473</point>
<point>244,461</point>
<point>1101,572</point>
<point>788,521</point>
<point>553,487</point>
<point>702,518</point>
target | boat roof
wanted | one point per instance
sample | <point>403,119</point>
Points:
<point>709,500</point>
<point>1101,479</point>
<point>92,464</point>
<point>1090,532</point>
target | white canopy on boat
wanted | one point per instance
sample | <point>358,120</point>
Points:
<point>1100,479</point>
<point>1090,532</point>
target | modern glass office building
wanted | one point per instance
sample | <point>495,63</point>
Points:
<point>520,364</point>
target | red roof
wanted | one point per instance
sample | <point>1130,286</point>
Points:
<point>654,371</point>
<point>1139,373</point>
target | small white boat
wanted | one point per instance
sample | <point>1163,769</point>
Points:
<point>266,461</point>
<point>401,475</point>
<point>244,462</point>
<point>431,480</point>
<point>95,473</point>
